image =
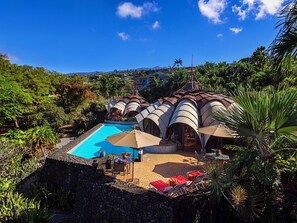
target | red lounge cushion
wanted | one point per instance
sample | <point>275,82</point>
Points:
<point>195,173</point>
<point>159,184</point>
<point>181,179</point>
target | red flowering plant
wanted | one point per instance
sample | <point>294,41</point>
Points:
<point>116,115</point>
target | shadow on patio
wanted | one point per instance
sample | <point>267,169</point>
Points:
<point>166,169</point>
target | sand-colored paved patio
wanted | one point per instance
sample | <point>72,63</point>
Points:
<point>163,166</point>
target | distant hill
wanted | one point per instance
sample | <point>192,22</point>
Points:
<point>118,71</point>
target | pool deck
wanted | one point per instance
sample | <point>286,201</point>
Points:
<point>153,167</point>
<point>163,166</point>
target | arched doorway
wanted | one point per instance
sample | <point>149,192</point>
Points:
<point>151,127</point>
<point>185,137</point>
<point>132,114</point>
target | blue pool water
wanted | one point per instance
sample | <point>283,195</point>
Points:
<point>91,146</point>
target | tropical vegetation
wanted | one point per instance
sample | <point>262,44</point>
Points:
<point>253,182</point>
<point>36,104</point>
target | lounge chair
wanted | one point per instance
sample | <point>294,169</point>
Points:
<point>177,180</point>
<point>199,183</point>
<point>171,191</point>
<point>193,174</point>
<point>161,186</point>
<point>179,189</point>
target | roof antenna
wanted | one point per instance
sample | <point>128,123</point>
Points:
<point>192,75</point>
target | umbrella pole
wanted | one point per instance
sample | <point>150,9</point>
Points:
<point>218,143</point>
<point>133,166</point>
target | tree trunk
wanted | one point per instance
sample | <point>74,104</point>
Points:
<point>16,123</point>
<point>43,151</point>
<point>265,153</point>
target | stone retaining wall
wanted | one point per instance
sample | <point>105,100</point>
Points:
<point>63,170</point>
<point>100,198</point>
<point>106,199</point>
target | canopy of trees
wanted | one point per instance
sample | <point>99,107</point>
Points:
<point>256,71</point>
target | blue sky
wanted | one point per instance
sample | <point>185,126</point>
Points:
<point>104,35</point>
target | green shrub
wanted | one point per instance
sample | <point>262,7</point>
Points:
<point>287,163</point>
<point>14,162</point>
<point>15,165</point>
<point>53,198</point>
<point>15,208</point>
<point>6,185</point>
<point>15,136</point>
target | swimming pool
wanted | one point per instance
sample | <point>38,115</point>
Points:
<point>90,147</point>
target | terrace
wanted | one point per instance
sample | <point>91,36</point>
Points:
<point>162,167</point>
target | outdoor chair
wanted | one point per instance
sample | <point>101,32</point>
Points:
<point>179,189</point>
<point>119,167</point>
<point>161,186</point>
<point>177,180</point>
<point>199,183</point>
<point>193,174</point>
<point>171,191</point>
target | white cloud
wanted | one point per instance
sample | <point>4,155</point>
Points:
<point>124,36</point>
<point>12,57</point>
<point>269,7</point>
<point>150,7</point>
<point>236,30</point>
<point>156,25</point>
<point>127,9</point>
<point>258,8</point>
<point>240,11</point>
<point>212,9</point>
<point>220,35</point>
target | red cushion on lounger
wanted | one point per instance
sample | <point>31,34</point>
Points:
<point>181,179</point>
<point>196,173</point>
<point>159,184</point>
<point>193,174</point>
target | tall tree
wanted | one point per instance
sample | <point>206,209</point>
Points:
<point>14,101</point>
<point>178,63</point>
<point>263,118</point>
<point>284,47</point>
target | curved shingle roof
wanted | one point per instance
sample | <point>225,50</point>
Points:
<point>191,105</point>
<point>135,102</point>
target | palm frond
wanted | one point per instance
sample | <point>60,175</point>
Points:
<point>261,117</point>
<point>239,196</point>
<point>284,47</point>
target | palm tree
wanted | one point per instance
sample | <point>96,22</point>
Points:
<point>178,63</point>
<point>264,119</point>
<point>284,47</point>
<point>267,121</point>
<point>41,137</point>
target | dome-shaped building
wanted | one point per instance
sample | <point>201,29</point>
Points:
<point>127,106</point>
<point>179,116</point>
